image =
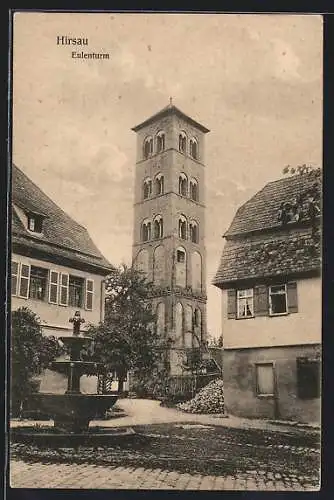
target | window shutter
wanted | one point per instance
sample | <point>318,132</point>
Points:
<point>89,294</point>
<point>53,287</point>
<point>261,304</point>
<point>63,292</point>
<point>24,281</point>
<point>231,303</point>
<point>15,275</point>
<point>292,297</point>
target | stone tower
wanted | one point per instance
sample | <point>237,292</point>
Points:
<point>169,225</point>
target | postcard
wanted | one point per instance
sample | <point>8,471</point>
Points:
<point>166,251</point>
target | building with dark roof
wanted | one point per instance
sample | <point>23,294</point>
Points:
<point>270,277</point>
<point>56,267</point>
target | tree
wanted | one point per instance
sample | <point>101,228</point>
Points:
<point>127,339</point>
<point>31,352</point>
<point>300,169</point>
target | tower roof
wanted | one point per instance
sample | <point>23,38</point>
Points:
<point>170,110</point>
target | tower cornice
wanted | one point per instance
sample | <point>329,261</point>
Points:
<point>155,155</point>
<point>168,193</point>
<point>170,110</point>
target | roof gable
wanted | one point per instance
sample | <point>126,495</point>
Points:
<point>170,109</point>
<point>59,229</point>
<point>261,211</point>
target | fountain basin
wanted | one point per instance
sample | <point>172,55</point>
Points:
<point>80,405</point>
<point>51,437</point>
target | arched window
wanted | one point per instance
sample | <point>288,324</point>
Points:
<point>159,265</point>
<point>188,335</point>
<point>193,231</point>
<point>160,141</point>
<point>196,271</point>
<point>182,227</point>
<point>193,189</point>
<point>181,267</point>
<point>193,148</point>
<point>159,184</point>
<point>148,147</point>
<point>146,230</point>
<point>160,313</point>
<point>147,188</point>
<point>182,142</point>
<point>183,184</point>
<point>197,325</point>
<point>158,227</point>
<point>178,321</point>
<point>141,261</point>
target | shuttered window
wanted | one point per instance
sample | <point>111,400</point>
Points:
<point>24,281</point>
<point>292,297</point>
<point>261,305</point>
<point>89,294</point>
<point>15,277</point>
<point>308,378</point>
<point>53,287</point>
<point>63,292</point>
<point>231,303</point>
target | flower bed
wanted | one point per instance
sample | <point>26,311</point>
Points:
<point>210,399</point>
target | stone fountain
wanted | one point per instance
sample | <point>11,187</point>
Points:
<point>72,411</point>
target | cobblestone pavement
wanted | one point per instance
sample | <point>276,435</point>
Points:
<point>85,476</point>
<point>168,453</point>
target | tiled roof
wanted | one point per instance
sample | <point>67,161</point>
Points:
<point>261,211</point>
<point>259,245</point>
<point>61,233</point>
<point>170,109</point>
<point>274,255</point>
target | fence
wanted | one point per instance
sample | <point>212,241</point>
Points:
<point>186,386</point>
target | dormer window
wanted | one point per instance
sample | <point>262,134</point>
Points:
<point>35,223</point>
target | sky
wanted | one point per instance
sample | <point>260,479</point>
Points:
<point>254,80</point>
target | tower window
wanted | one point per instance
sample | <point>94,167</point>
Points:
<point>146,231</point>
<point>158,227</point>
<point>193,230</point>
<point>193,190</point>
<point>180,256</point>
<point>148,147</point>
<point>159,184</point>
<point>160,142</point>
<point>182,227</point>
<point>194,148</point>
<point>183,185</point>
<point>182,142</point>
<point>147,188</point>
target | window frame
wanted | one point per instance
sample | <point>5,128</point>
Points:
<point>22,264</point>
<point>17,276</point>
<point>51,284</point>
<point>64,287</point>
<point>285,293</point>
<point>302,392</point>
<point>248,296</point>
<point>89,292</point>
<point>263,395</point>
<point>46,283</point>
